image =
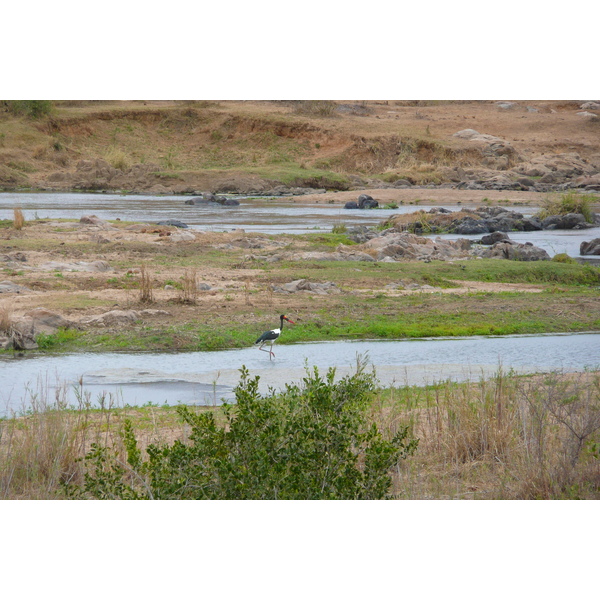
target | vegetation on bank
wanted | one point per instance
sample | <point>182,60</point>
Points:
<point>308,442</point>
<point>571,202</point>
<point>508,437</point>
<point>381,317</point>
<point>368,306</point>
<point>295,143</point>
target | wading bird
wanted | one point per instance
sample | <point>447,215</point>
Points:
<point>271,336</point>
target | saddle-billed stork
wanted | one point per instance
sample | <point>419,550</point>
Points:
<point>271,336</point>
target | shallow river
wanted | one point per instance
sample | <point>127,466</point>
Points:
<point>209,377</point>
<point>257,215</point>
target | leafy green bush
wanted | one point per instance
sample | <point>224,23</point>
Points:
<point>306,442</point>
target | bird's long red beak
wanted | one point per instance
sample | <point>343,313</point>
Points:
<point>289,320</point>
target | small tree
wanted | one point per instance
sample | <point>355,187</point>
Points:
<point>307,442</point>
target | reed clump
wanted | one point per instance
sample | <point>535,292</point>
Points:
<point>146,291</point>
<point>6,320</point>
<point>188,293</point>
<point>41,450</point>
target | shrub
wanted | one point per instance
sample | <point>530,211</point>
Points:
<point>564,258</point>
<point>316,108</point>
<point>30,108</point>
<point>306,442</point>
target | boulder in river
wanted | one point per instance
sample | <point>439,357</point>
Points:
<point>208,198</point>
<point>173,223</point>
<point>591,248</point>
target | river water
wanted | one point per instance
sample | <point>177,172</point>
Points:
<point>256,215</point>
<point>206,378</point>
<point>209,377</point>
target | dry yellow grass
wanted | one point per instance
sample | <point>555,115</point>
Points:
<point>18,219</point>
<point>146,292</point>
<point>504,438</point>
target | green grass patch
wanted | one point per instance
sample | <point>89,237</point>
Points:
<point>58,340</point>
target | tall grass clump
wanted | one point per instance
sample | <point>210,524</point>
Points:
<point>146,291</point>
<point>117,158</point>
<point>189,289</point>
<point>316,108</point>
<point>6,320</point>
<point>505,438</point>
<point>571,202</point>
<point>18,219</point>
<point>41,451</point>
<point>311,441</point>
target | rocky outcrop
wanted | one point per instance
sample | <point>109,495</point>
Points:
<point>303,285</point>
<point>498,154</point>
<point>483,220</point>
<point>25,330</point>
<point>591,248</point>
<point>568,221</point>
<point>119,317</point>
<point>98,266</point>
<point>555,169</point>
<point>408,246</point>
<point>514,251</point>
<point>391,245</point>
<point>8,287</point>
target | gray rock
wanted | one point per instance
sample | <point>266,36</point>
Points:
<point>8,287</point>
<point>569,221</point>
<point>591,248</point>
<point>469,226</point>
<point>532,224</point>
<point>493,238</point>
<point>304,285</point>
<point>512,251</point>
<point>173,223</point>
<point>366,201</point>
<point>92,220</point>
<point>526,182</point>
<point>45,321</point>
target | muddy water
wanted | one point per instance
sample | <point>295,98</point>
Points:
<point>206,378</point>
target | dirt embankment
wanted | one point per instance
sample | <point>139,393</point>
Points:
<point>257,147</point>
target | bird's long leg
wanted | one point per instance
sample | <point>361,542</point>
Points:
<point>265,350</point>
<point>271,353</point>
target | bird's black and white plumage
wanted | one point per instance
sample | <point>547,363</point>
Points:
<point>269,337</point>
